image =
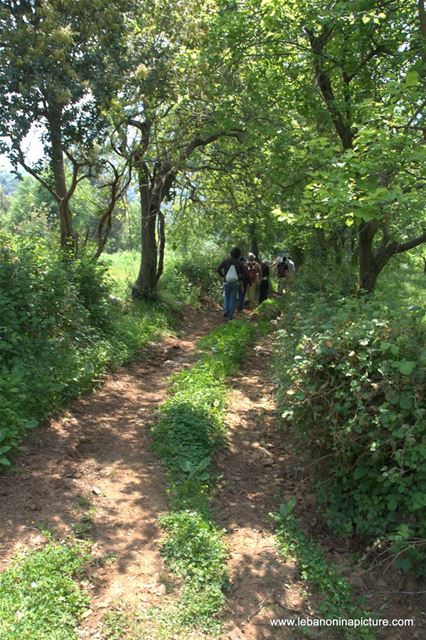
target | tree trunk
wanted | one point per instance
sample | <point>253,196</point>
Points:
<point>254,244</point>
<point>68,238</point>
<point>368,267</point>
<point>144,287</point>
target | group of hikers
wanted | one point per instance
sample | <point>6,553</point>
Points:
<point>246,280</point>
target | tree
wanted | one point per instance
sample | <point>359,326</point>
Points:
<point>165,115</point>
<point>355,146</point>
<point>58,64</point>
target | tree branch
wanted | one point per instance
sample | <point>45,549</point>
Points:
<point>34,174</point>
<point>203,142</point>
<point>411,244</point>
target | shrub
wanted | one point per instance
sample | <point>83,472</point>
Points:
<point>59,330</point>
<point>191,276</point>
<point>351,379</point>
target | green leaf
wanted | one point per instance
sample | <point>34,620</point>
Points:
<point>412,78</point>
<point>406,367</point>
<point>359,472</point>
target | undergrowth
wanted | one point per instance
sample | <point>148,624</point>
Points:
<point>335,591</point>
<point>351,376</point>
<point>59,330</point>
<point>40,596</point>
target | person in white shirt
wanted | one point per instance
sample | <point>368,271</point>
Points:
<point>291,275</point>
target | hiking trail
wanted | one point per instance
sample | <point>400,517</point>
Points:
<point>97,457</point>
<point>93,467</point>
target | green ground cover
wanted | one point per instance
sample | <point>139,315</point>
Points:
<point>40,596</point>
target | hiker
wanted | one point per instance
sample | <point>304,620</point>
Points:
<point>255,275</point>
<point>232,271</point>
<point>264,283</point>
<point>282,271</point>
<point>244,283</point>
<point>291,275</point>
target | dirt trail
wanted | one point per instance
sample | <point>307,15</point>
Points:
<point>94,468</point>
<point>95,463</point>
<point>259,470</point>
<point>262,585</point>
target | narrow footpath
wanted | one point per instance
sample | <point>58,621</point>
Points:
<point>92,471</point>
<point>259,470</point>
<point>263,586</point>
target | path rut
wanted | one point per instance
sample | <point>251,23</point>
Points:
<point>263,586</point>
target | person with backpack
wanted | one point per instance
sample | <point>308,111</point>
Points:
<point>291,275</point>
<point>255,276</point>
<point>231,271</point>
<point>282,272</point>
<point>264,283</point>
<point>244,283</point>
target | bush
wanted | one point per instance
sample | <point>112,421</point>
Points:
<point>59,330</point>
<point>324,276</point>
<point>351,379</point>
<point>191,276</point>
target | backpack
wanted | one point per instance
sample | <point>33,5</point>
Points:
<point>253,271</point>
<point>231,274</point>
<point>282,268</point>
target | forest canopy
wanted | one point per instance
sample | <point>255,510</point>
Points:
<point>268,121</point>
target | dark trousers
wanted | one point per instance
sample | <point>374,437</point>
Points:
<point>263,290</point>
<point>241,297</point>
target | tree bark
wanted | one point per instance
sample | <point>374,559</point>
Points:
<point>144,287</point>
<point>368,269</point>
<point>68,237</point>
<point>254,244</point>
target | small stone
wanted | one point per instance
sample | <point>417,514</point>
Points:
<point>86,614</point>
<point>96,491</point>
<point>160,590</point>
<point>357,583</point>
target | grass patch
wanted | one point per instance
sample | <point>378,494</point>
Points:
<point>39,595</point>
<point>335,590</point>
<point>123,268</point>
<point>190,428</point>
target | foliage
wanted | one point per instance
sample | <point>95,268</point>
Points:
<point>321,274</point>
<point>191,275</point>
<point>316,570</point>
<point>351,380</point>
<point>59,331</point>
<point>39,595</point>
